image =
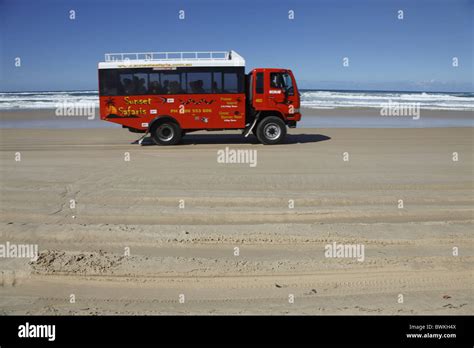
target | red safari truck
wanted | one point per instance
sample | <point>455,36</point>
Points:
<point>169,94</point>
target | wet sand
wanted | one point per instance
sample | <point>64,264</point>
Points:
<point>312,118</point>
<point>135,206</point>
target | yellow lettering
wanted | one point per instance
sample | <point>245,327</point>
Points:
<point>137,101</point>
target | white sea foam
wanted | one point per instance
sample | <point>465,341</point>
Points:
<point>311,99</point>
<point>46,100</point>
<point>351,99</point>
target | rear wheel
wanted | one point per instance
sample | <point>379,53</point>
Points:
<point>271,130</point>
<point>166,133</point>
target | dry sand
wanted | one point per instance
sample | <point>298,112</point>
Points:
<point>190,251</point>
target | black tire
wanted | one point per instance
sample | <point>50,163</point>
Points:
<point>271,130</point>
<point>166,133</point>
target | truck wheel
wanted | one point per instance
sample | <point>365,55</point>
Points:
<point>271,130</point>
<point>166,133</point>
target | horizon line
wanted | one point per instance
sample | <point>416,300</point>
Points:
<point>301,89</point>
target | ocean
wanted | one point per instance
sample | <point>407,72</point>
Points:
<point>45,100</point>
<point>376,99</point>
<point>319,100</point>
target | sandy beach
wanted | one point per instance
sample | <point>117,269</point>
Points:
<point>313,118</point>
<point>181,215</point>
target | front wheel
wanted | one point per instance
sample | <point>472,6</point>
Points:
<point>166,133</point>
<point>271,130</point>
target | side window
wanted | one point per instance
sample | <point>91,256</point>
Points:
<point>199,82</point>
<point>154,86</point>
<point>173,83</point>
<point>276,80</point>
<point>249,86</point>
<point>231,83</point>
<point>259,83</point>
<point>282,81</point>
<point>108,82</point>
<point>126,84</point>
<point>140,83</point>
<point>217,82</point>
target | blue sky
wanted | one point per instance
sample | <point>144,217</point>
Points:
<point>384,53</point>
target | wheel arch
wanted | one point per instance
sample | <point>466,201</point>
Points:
<point>161,119</point>
<point>267,113</point>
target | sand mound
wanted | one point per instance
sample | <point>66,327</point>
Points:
<point>54,261</point>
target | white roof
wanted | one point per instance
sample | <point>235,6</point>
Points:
<point>171,59</point>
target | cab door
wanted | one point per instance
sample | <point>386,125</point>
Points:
<point>282,92</point>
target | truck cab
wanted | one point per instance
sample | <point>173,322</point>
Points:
<point>272,93</point>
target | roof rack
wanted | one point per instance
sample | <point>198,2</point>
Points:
<point>167,56</point>
<point>172,59</point>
